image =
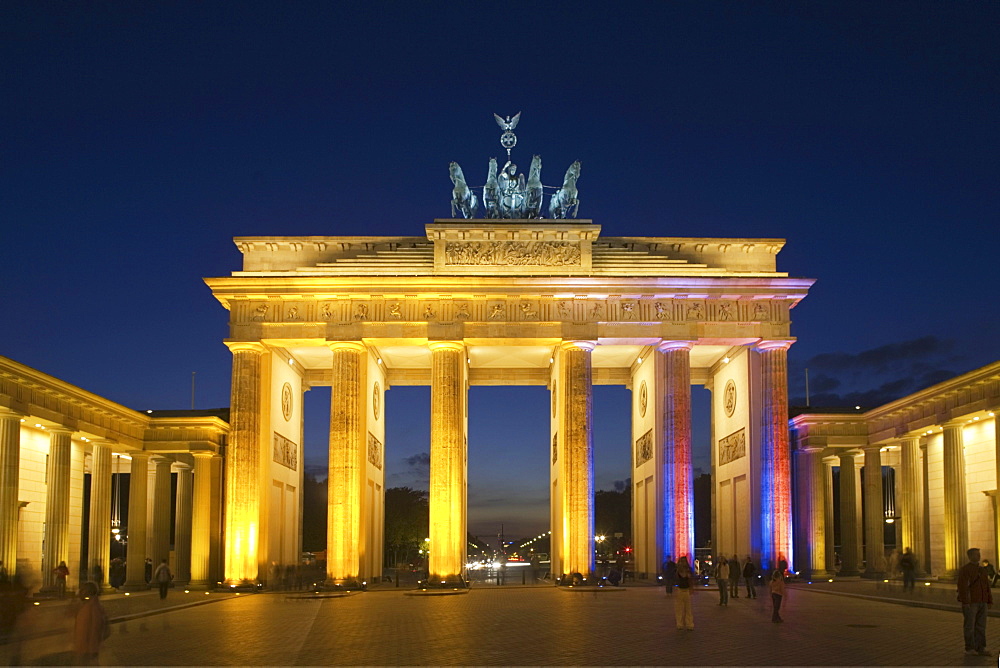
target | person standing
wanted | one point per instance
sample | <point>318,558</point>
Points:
<point>722,578</point>
<point>162,576</point>
<point>61,571</point>
<point>670,575</point>
<point>975,596</point>
<point>682,603</point>
<point>734,576</point>
<point>777,593</point>
<point>908,566</point>
<point>750,575</point>
<point>90,628</point>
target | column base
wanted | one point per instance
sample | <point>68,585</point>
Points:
<point>873,575</point>
<point>128,586</point>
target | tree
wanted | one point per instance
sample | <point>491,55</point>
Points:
<point>406,523</point>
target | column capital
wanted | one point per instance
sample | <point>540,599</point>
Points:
<point>578,345</point>
<point>872,447</point>
<point>458,346</point>
<point>670,346</point>
<point>808,449</point>
<point>953,424</point>
<point>182,466</point>
<point>58,429</point>
<point>11,413</point>
<point>200,454</point>
<point>245,346</point>
<point>141,454</point>
<point>773,344</point>
<point>356,346</point>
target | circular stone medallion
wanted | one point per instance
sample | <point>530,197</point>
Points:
<point>642,399</point>
<point>729,398</point>
<point>376,399</point>
<point>286,401</point>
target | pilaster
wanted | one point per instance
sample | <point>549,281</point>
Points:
<point>10,462</point>
<point>347,445</point>
<point>874,513</point>
<point>56,534</point>
<point>448,460</point>
<point>956,523</point>
<point>135,563</point>
<point>850,528</point>
<point>99,535</point>
<point>909,500</point>
<point>811,509</point>
<point>576,381</point>
<point>183,525</point>
<point>201,518</point>
<point>243,462</point>
<point>776,479</point>
<point>678,475</point>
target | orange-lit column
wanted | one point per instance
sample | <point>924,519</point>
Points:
<point>138,485</point>
<point>158,540</point>
<point>576,379</point>
<point>956,515</point>
<point>99,536</point>
<point>10,462</point>
<point>201,518</point>
<point>182,525</point>
<point>776,474</point>
<point>448,460</point>
<point>57,503</point>
<point>347,457</point>
<point>811,514</point>
<point>874,513</point>
<point>850,529</point>
<point>678,476</point>
<point>243,461</point>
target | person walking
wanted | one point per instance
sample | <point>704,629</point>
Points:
<point>734,576</point>
<point>975,596</point>
<point>777,585</point>
<point>670,575</point>
<point>682,602</point>
<point>162,576</point>
<point>722,578</point>
<point>908,566</point>
<point>61,571</point>
<point>90,628</point>
<point>750,575</point>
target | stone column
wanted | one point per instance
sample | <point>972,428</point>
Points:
<point>811,511</point>
<point>243,462</point>
<point>874,513</point>
<point>10,463</point>
<point>850,530</point>
<point>135,557</point>
<point>910,492</point>
<point>576,381</point>
<point>58,472</point>
<point>159,541</point>
<point>201,518</point>
<point>956,521</point>
<point>831,559</point>
<point>99,536</point>
<point>183,526</point>
<point>448,460</point>
<point>775,456</point>
<point>347,457</point>
<point>996,512</point>
<point>678,475</point>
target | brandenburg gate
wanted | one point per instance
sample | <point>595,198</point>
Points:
<point>502,301</point>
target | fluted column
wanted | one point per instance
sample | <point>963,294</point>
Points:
<point>448,460</point>
<point>811,513</point>
<point>996,455</point>
<point>347,447</point>
<point>956,523</point>
<point>243,462</point>
<point>776,478</point>
<point>159,539</point>
<point>10,463</point>
<point>910,507</point>
<point>874,513</point>
<point>99,535</point>
<point>57,503</point>
<point>576,381</point>
<point>135,559</point>
<point>678,475</point>
<point>828,535</point>
<point>182,525</point>
<point>850,529</point>
<point>201,520</point>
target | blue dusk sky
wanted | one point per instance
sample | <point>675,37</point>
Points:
<point>139,138</point>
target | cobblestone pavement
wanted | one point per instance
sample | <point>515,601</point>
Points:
<point>536,626</point>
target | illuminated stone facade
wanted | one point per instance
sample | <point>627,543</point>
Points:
<point>476,302</point>
<point>54,437</point>
<point>943,447</point>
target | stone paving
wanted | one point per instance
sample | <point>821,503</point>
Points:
<point>529,626</point>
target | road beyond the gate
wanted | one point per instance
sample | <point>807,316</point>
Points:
<point>527,626</point>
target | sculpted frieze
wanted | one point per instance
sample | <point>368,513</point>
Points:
<point>513,253</point>
<point>374,451</point>
<point>285,452</point>
<point>644,448</point>
<point>732,447</point>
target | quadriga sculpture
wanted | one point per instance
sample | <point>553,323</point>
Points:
<point>565,203</point>
<point>533,191</point>
<point>462,198</point>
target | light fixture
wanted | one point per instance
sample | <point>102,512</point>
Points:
<point>379,360</point>
<point>725,360</point>
<point>149,411</point>
<point>639,361</point>
<point>857,408</point>
<point>291,362</point>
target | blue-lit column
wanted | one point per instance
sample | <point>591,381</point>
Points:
<point>775,456</point>
<point>678,475</point>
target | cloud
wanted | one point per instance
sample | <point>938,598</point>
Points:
<point>873,377</point>
<point>413,471</point>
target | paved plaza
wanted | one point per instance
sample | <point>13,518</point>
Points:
<point>518,626</point>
